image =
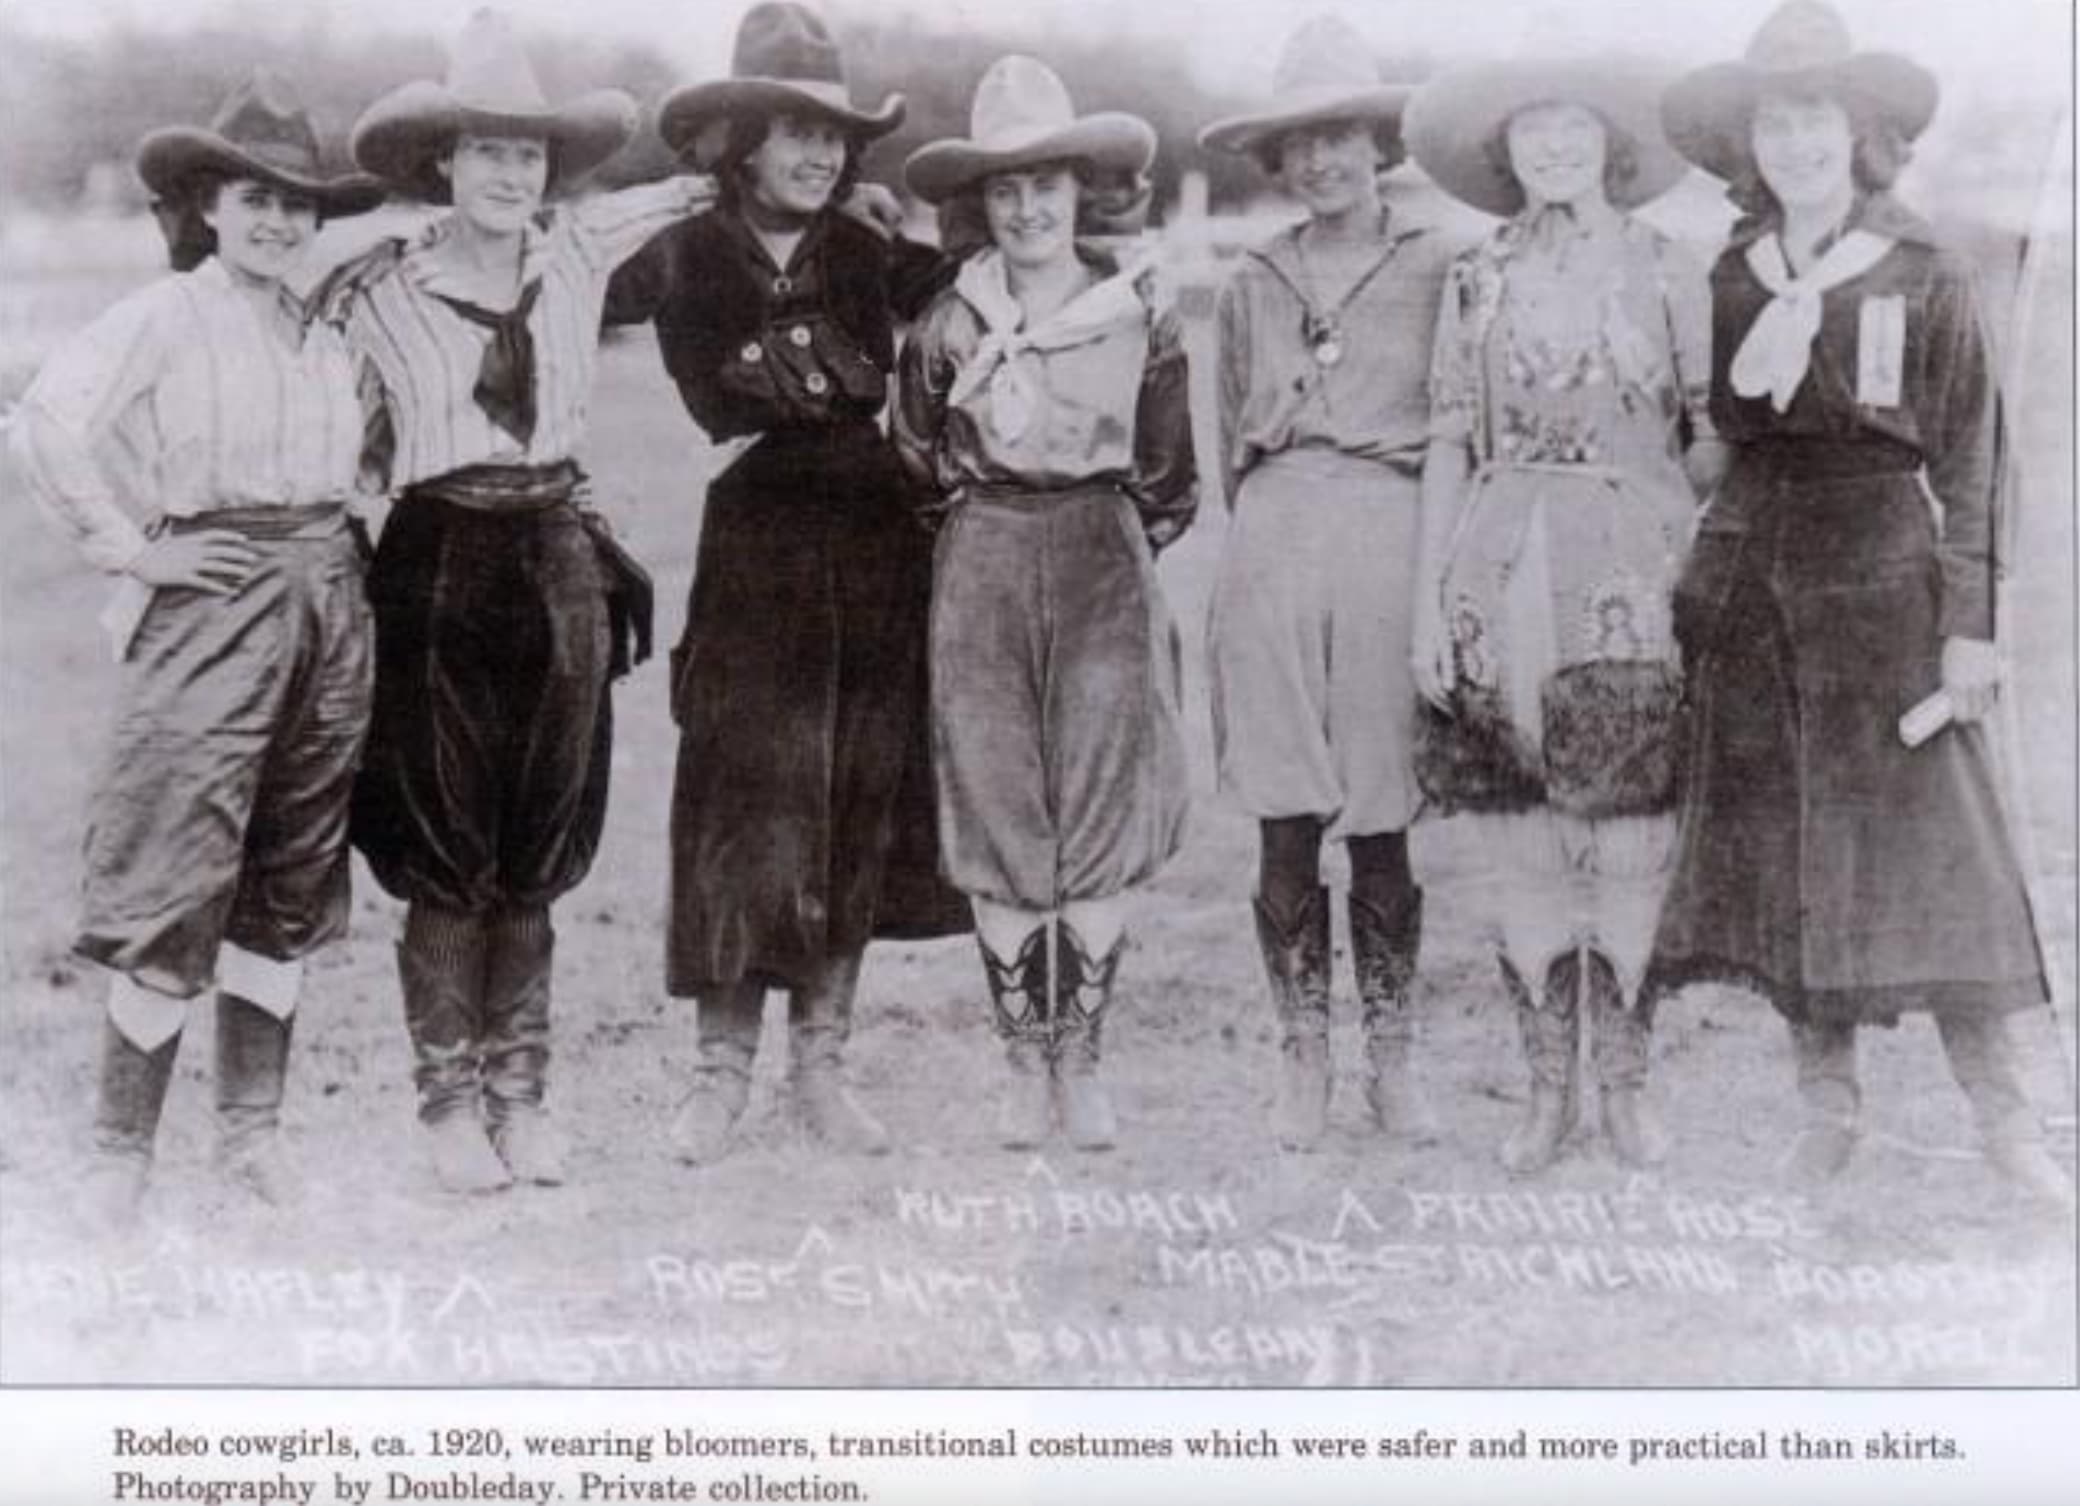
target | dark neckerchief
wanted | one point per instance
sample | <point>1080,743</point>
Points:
<point>505,380</point>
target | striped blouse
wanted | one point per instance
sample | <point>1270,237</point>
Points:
<point>428,357</point>
<point>178,401</point>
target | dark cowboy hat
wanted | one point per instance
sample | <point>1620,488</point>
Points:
<point>1803,47</point>
<point>490,90</point>
<point>785,61</point>
<point>262,132</point>
<point>1454,116</point>
<point>1325,72</point>
<point>1022,116</point>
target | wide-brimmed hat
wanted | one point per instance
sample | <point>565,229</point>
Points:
<point>785,60</point>
<point>1454,119</point>
<point>1023,116</point>
<point>490,90</point>
<point>1325,72</point>
<point>262,132</point>
<point>1804,47</point>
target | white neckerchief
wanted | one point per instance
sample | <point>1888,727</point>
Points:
<point>1779,346</point>
<point>1097,311</point>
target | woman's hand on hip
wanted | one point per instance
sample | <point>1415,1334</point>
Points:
<point>215,560</point>
<point>1971,676</point>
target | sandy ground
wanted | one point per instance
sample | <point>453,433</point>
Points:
<point>1195,1254</point>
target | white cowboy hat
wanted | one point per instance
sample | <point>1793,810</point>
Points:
<point>490,90</point>
<point>1023,116</point>
<point>1325,72</point>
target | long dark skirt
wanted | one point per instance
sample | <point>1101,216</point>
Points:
<point>802,820</point>
<point>485,782</point>
<point>1821,861</point>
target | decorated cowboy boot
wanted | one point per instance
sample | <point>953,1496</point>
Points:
<point>1982,1058</point>
<point>1024,1013</point>
<point>822,1024</point>
<point>126,1125</point>
<point>1550,1025</point>
<point>1384,942</point>
<point>440,966</point>
<point>726,1033</point>
<point>252,1069</point>
<point>1621,1049</point>
<point>520,949</point>
<point>1826,1052</point>
<point>1296,964</point>
<point>1081,1003</point>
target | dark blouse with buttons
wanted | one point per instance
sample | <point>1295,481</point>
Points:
<point>756,348</point>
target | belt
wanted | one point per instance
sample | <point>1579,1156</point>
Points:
<point>501,488</point>
<point>265,523</point>
<point>1829,459</point>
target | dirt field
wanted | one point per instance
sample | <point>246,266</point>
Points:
<point>1195,1254</point>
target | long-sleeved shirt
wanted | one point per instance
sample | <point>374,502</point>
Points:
<point>182,399</point>
<point>1098,391</point>
<point>428,358</point>
<point>1373,400</point>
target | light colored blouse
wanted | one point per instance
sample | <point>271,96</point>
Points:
<point>1372,398</point>
<point>1096,392</point>
<point>180,400</point>
<point>428,357</point>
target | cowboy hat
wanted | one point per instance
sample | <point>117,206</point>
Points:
<point>1022,116</point>
<point>262,132</point>
<point>1325,72</point>
<point>1455,117</point>
<point>1803,47</point>
<point>785,60</point>
<point>490,90</point>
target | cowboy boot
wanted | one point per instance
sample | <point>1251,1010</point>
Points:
<point>126,1124</point>
<point>1296,964</point>
<point>520,951</point>
<point>440,966</point>
<point>1826,1052</point>
<point>1550,1026</point>
<point>1024,1013</point>
<point>822,1016</point>
<point>1982,1058</point>
<point>1620,1047</point>
<point>252,1068</point>
<point>1083,999</point>
<point>726,1032</point>
<point>1384,944</point>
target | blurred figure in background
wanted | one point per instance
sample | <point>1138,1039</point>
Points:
<point>217,839</point>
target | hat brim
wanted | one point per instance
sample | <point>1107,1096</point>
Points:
<point>1708,113</point>
<point>689,110</point>
<point>402,136</point>
<point>1110,141</point>
<point>1245,133</point>
<point>168,160</point>
<point>1454,116</point>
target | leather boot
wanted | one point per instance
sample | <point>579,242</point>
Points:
<point>1982,1059</point>
<point>1296,964</point>
<point>727,1035</point>
<point>1081,1005</point>
<point>1023,1009</point>
<point>252,1069</point>
<point>520,952</point>
<point>1826,1053</point>
<point>1385,940</point>
<point>126,1125</point>
<point>1621,1048</point>
<point>1550,1025</point>
<point>440,965</point>
<point>822,1022</point>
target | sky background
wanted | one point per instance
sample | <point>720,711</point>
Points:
<point>1975,45</point>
